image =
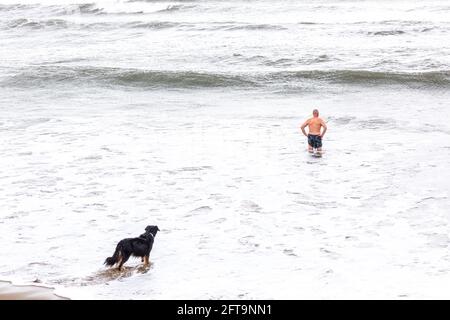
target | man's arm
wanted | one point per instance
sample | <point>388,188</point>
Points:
<point>304,126</point>
<point>324,128</point>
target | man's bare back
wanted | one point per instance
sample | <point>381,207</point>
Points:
<point>315,124</point>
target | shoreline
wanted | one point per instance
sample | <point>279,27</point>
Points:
<point>10,291</point>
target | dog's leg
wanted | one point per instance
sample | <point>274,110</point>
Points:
<point>146,261</point>
<point>124,258</point>
<point>120,263</point>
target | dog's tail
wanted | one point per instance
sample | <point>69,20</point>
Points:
<point>110,261</point>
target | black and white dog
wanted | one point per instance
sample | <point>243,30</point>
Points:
<point>138,247</point>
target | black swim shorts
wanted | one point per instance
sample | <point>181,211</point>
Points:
<point>315,141</point>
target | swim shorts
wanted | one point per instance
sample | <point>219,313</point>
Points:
<point>315,141</point>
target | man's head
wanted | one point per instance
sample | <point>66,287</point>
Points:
<point>315,113</point>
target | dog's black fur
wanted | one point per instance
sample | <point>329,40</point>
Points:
<point>138,247</point>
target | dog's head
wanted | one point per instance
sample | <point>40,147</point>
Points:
<point>152,229</point>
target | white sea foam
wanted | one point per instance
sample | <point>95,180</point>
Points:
<point>194,127</point>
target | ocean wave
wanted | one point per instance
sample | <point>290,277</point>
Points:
<point>426,29</point>
<point>308,60</point>
<point>9,7</point>
<point>397,22</point>
<point>36,24</point>
<point>85,8</point>
<point>256,27</point>
<point>152,24</point>
<point>55,9</point>
<point>53,75</point>
<point>136,78</point>
<point>386,33</point>
<point>63,24</point>
<point>175,7</point>
<point>79,9</point>
<point>279,62</point>
<point>431,78</point>
<point>95,9</point>
<point>230,26</point>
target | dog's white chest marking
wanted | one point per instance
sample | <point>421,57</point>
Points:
<point>202,311</point>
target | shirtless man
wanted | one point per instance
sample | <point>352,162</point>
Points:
<point>314,136</point>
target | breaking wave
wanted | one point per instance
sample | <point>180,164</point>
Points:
<point>51,75</point>
<point>36,24</point>
<point>44,76</point>
<point>438,78</point>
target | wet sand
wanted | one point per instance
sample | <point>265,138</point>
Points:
<point>8,291</point>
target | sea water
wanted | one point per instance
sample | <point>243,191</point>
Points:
<point>115,115</point>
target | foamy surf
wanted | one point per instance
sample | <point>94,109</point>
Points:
<point>116,115</point>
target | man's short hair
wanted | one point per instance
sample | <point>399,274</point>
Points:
<point>315,111</point>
